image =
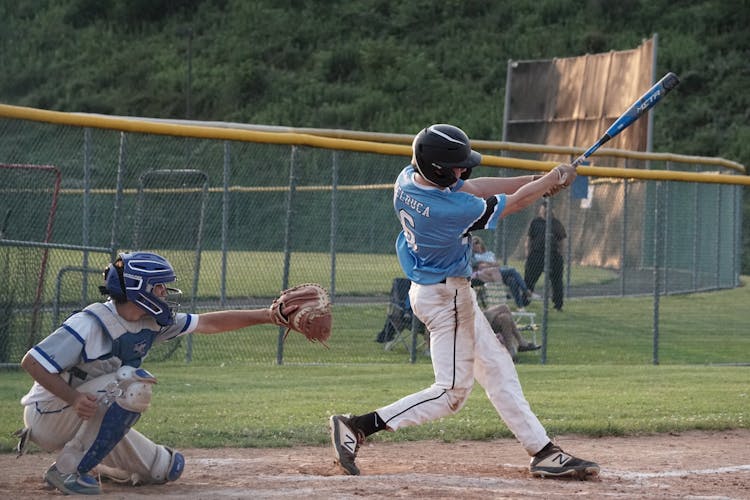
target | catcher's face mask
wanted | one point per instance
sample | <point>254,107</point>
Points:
<point>144,278</point>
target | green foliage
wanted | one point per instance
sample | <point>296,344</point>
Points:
<point>278,62</point>
<point>368,65</point>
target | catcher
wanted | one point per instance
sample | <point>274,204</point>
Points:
<point>89,388</point>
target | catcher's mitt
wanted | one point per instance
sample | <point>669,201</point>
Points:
<point>306,309</point>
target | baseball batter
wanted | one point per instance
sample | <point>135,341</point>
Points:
<point>89,388</point>
<point>438,206</point>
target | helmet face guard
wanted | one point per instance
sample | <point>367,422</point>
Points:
<point>439,149</point>
<point>136,276</point>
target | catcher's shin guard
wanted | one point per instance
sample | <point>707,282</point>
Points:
<point>169,465</point>
<point>115,424</point>
<point>125,397</point>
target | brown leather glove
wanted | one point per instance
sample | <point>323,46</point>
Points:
<point>306,309</point>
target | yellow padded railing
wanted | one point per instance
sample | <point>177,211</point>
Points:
<point>388,144</point>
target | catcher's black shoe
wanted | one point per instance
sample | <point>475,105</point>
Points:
<point>553,462</point>
<point>346,440</point>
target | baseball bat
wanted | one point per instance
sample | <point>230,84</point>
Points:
<point>635,111</point>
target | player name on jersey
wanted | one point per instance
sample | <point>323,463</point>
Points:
<point>416,205</point>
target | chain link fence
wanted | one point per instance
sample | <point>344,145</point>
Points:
<point>241,220</point>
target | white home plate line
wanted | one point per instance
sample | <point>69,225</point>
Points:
<point>676,473</point>
<point>604,473</point>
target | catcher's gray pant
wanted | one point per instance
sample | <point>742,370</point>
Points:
<point>463,346</point>
<point>54,426</point>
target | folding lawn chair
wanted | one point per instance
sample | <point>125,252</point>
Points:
<point>493,293</point>
<point>400,319</point>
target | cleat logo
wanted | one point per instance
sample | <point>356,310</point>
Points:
<point>562,458</point>
<point>350,442</point>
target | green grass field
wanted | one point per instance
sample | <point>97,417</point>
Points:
<point>257,406</point>
<point>258,273</point>
<point>599,379</point>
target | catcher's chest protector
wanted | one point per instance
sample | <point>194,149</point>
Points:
<point>129,347</point>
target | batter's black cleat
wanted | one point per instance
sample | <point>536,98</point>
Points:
<point>551,461</point>
<point>346,440</point>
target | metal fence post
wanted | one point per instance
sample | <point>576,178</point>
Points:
<point>547,259</point>
<point>718,235</point>
<point>569,244</point>
<point>624,237</point>
<point>737,254</point>
<point>114,239</point>
<point>86,206</point>
<point>664,219</point>
<point>334,220</point>
<point>696,237</point>
<point>658,255</point>
<point>198,250</point>
<point>226,178</point>
<point>287,243</point>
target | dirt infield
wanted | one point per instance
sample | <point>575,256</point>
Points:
<point>687,465</point>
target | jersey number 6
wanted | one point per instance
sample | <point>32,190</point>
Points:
<point>407,224</point>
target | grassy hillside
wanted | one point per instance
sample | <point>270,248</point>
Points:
<point>371,65</point>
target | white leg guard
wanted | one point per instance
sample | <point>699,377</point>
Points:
<point>126,394</point>
<point>144,461</point>
<point>168,465</point>
<point>132,390</point>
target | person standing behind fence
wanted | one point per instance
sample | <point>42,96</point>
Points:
<point>89,388</point>
<point>535,244</point>
<point>438,206</point>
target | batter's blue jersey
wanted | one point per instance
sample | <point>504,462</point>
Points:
<point>434,242</point>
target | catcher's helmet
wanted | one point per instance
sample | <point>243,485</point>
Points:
<point>440,148</point>
<point>133,277</point>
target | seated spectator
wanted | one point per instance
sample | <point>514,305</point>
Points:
<point>485,268</point>
<point>501,320</point>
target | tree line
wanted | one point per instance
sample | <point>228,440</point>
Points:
<point>372,65</point>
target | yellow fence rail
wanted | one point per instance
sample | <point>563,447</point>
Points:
<point>388,144</point>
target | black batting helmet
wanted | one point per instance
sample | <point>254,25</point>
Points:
<point>440,148</point>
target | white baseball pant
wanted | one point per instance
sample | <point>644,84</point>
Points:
<point>55,427</point>
<point>464,347</point>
